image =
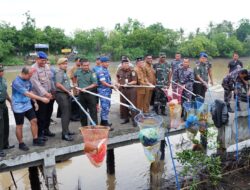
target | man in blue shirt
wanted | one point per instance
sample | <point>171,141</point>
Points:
<point>104,89</point>
<point>21,105</point>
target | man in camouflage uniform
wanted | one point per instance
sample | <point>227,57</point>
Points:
<point>184,76</point>
<point>163,74</point>
<point>235,81</point>
<point>126,76</point>
<point>202,71</point>
<point>105,89</point>
<point>232,65</point>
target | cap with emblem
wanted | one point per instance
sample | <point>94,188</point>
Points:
<point>104,59</point>
<point>42,55</point>
<point>162,54</point>
<point>139,59</point>
<point>62,60</point>
<point>203,54</point>
<point>1,67</point>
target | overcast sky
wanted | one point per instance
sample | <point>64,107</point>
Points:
<point>87,14</point>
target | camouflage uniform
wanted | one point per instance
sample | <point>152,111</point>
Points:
<point>103,75</point>
<point>185,76</point>
<point>162,71</point>
<point>201,69</point>
<point>175,64</point>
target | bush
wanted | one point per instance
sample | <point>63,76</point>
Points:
<point>13,60</point>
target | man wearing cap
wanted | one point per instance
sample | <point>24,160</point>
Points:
<point>41,86</point>
<point>86,80</point>
<point>141,93</point>
<point>105,89</point>
<point>232,65</point>
<point>4,115</point>
<point>202,71</point>
<point>98,65</point>
<point>63,97</point>
<point>150,72</point>
<point>126,76</point>
<point>163,74</point>
<point>21,106</point>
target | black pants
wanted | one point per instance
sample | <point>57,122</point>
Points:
<point>64,102</point>
<point>4,126</point>
<point>43,116</point>
<point>88,102</point>
<point>75,111</point>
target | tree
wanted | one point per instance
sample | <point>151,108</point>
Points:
<point>243,31</point>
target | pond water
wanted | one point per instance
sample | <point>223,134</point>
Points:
<point>132,167</point>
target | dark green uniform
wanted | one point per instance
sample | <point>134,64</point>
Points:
<point>4,116</point>
<point>63,99</point>
<point>88,101</point>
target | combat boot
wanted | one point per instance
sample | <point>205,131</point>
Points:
<point>125,121</point>
<point>163,111</point>
<point>229,109</point>
<point>107,124</point>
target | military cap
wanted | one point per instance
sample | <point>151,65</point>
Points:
<point>124,61</point>
<point>162,54</point>
<point>104,59</point>
<point>97,58</point>
<point>203,54</point>
<point>62,60</point>
<point>1,67</point>
<point>139,59</point>
<point>42,55</point>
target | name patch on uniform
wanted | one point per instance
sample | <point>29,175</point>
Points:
<point>133,73</point>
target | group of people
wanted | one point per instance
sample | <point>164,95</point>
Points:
<point>36,88</point>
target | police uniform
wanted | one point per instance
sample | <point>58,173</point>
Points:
<point>104,75</point>
<point>124,77</point>
<point>4,116</point>
<point>184,76</point>
<point>88,101</point>
<point>141,93</point>
<point>150,73</point>
<point>201,69</point>
<point>63,100</point>
<point>41,84</point>
<point>162,72</point>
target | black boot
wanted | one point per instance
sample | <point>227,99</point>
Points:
<point>156,109</point>
<point>163,111</point>
<point>229,109</point>
<point>107,124</point>
<point>125,121</point>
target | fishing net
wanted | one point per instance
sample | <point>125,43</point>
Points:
<point>197,114</point>
<point>95,143</point>
<point>149,134</point>
<point>174,104</point>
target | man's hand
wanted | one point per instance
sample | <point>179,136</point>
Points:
<point>36,106</point>
<point>45,100</point>
<point>49,96</point>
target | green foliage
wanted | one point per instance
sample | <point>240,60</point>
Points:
<point>197,163</point>
<point>13,60</point>
<point>243,31</point>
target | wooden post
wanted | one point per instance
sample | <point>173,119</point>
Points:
<point>49,169</point>
<point>162,149</point>
<point>34,178</point>
<point>110,161</point>
<point>156,171</point>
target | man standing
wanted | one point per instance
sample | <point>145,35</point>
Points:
<point>202,71</point>
<point>98,65</point>
<point>4,115</point>
<point>105,89</point>
<point>21,105</point>
<point>141,93</point>
<point>126,76</point>
<point>175,64</point>
<point>41,83</point>
<point>184,76</point>
<point>63,97</point>
<point>150,72</point>
<point>163,74</point>
<point>86,80</point>
<point>232,65</point>
<point>75,111</point>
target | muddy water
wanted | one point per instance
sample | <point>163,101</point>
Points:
<point>132,167</point>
